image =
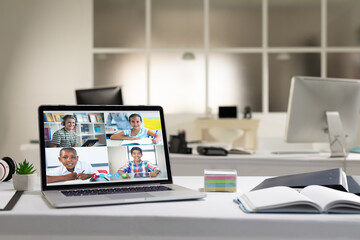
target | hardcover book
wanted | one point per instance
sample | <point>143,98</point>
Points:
<point>332,178</point>
<point>47,134</point>
<point>48,117</point>
<point>82,117</point>
<point>58,116</point>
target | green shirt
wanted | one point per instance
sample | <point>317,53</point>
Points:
<point>63,138</point>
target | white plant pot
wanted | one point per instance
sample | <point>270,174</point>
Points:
<point>26,182</point>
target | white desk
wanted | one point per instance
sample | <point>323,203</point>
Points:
<point>215,217</point>
<point>261,164</point>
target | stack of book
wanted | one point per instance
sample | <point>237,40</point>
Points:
<point>220,180</point>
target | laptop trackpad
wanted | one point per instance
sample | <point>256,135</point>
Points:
<point>128,196</point>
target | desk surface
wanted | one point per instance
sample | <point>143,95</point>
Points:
<point>215,217</point>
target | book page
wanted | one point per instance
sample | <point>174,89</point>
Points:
<point>143,141</point>
<point>344,180</point>
<point>274,198</point>
<point>329,198</point>
<point>220,172</point>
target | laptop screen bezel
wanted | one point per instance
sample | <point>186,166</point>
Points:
<point>99,108</point>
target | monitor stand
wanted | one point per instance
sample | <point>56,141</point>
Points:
<point>336,135</point>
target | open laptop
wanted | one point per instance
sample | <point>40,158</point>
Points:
<point>109,172</point>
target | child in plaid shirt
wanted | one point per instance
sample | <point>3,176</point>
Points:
<point>138,165</point>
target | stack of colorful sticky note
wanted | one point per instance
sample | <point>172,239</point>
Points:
<point>220,180</point>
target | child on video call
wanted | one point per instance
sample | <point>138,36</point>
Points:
<point>138,165</point>
<point>71,168</point>
<point>66,137</point>
<point>137,131</point>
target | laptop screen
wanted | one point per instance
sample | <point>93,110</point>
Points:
<point>88,145</point>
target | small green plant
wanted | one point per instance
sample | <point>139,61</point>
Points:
<point>25,168</point>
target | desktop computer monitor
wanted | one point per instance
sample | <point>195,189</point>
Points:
<point>323,109</point>
<point>99,96</point>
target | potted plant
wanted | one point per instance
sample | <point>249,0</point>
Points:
<point>24,178</point>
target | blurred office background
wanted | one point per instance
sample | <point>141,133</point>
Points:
<point>190,56</point>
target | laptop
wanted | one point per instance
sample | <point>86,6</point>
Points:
<point>109,172</point>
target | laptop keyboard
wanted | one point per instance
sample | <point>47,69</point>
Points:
<point>97,191</point>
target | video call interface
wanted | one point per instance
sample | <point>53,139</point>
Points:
<point>99,147</point>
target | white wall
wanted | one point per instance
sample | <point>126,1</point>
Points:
<point>45,48</point>
<point>46,53</point>
<point>271,132</point>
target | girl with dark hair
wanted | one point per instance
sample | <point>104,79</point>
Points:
<point>137,131</point>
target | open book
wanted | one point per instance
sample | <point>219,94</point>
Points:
<point>311,199</point>
<point>142,141</point>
